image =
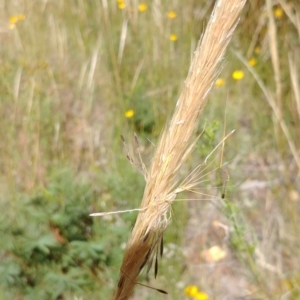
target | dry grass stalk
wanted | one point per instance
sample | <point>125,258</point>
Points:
<point>277,113</point>
<point>145,244</point>
<point>272,32</point>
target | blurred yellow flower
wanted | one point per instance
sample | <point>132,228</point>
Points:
<point>257,49</point>
<point>172,14</point>
<point>173,37</point>
<point>13,20</point>
<point>201,296</point>
<point>21,17</point>
<point>142,7</point>
<point>121,5</point>
<point>120,1</point>
<point>219,82</point>
<point>238,75</point>
<point>129,113</point>
<point>191,290</point>
<point>252,62</point>
<point>278,13</point>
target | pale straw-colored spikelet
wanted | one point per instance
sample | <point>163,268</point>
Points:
<point>145,244</point>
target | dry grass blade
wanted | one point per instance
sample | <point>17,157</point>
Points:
<point>272,31</point>
<point>295,82</point>
<point>175,145</point>
<point>272,103</point>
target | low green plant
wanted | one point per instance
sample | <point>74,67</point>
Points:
<point>52,248</point>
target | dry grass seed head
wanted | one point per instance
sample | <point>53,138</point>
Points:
<point>174,144</point>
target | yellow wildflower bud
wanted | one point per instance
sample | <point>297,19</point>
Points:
<point>21,17</point>
<point>172,14</point>
<point>238,75</point>
<point>278,13</point>
<point>142,7</point>
<point>13,19</point>
<point>129,113</point>
<point>201,296</point>
<point>191,290</point>
<point>252,62</point>
<point>257,49</point>
<point>173,37</point>
<point>121,5</point>
<point>219,82</point>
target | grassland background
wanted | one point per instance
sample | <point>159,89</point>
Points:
<point>69,71</point>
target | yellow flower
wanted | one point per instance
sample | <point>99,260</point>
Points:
<point>121,5</point>
<point>278,13</point>
<point>21,17</point>
<point>219,82</point>
<point>238,75</point>
<point>191,290</point>
<point>16,18</point>
<point>201,296</point>
<point>142,7</point>
<point>172,14</point>
<point>173,37</point>
<point>257,49</point>
<point>120,1</point>
<point>13,19</point>
<point>129,113</point>
<point>252,62</point>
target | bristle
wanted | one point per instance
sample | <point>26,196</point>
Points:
<point>146,259</point>
<point>162,291</point>
<point>150,264</point>
<point>146,237</point>
<point>136,140</point>
<point>156,267</point>
<point>156,259</point>
<point>161,246</point>
<point>121,280</point>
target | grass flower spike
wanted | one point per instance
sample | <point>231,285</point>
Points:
<point>145,245</point>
